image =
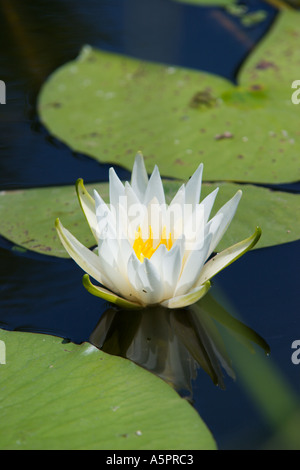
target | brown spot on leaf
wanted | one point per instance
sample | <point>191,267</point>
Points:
<point>179,162</point>
<point>202,99</point>
<point>265,64</point>
<point>56,104</point>
<point>95,134</point>
<point>225,135</point>
<point>28,241</point>
<point>42,247</point>
<point>256,87</point>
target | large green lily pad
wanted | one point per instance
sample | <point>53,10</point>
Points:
<point>27,216</point>
<point>64,396</point>
<point>109,106</point>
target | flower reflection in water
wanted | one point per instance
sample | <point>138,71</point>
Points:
<point>173,344</point>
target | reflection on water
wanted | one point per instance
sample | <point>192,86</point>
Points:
<point>173,344</point>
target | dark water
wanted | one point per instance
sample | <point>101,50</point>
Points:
<point>40,293</point>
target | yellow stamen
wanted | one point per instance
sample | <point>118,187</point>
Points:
<point>144,249</point>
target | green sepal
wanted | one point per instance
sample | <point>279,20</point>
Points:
<point>107,295</point>
<point>88,206</point>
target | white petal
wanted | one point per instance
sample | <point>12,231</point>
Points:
<point>179,197</point>
<point>132,273</point>
<point>155,188</point>
<point>212,227</point>
<point>180,242</point>
<point>194,228</point>
<point>171,268</point>
<point>187,299</point>
<point>175,214</point>
<point>168,266</point>
<point>139,177</point>
<point>193,187</point>
<point>155,284</point>
<point>120,252</point>
<point>156,219</point>
<point>106,221</point>
<point>208,203</point>
<point>109,259</point>
<point>126,250</point>
<point>227,211</point>
<point>158,256</point>
<point>121,225</point>
<point>136,212</point>
<point>135,281</point>
<point>84,257</point>
<point>146,281</point>
<point>132,198</point>
<point>192,268</point>
<point>116,189</point>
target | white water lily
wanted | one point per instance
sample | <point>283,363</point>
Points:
<point>148,252</point>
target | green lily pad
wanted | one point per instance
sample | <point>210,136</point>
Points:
<point>274,62</point>
<point>28,216</point>
<point>109,106</point>
<point>65,396</point>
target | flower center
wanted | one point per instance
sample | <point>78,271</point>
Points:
<point>144,249</point>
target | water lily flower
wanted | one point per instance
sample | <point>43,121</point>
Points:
<point>149,252</point>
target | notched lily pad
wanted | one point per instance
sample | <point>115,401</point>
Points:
<point>110,106</point>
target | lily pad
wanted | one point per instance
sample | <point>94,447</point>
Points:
<point>65,396</point>
<point>275,62</point>
<point>109,106</point>
<point>28,216</point>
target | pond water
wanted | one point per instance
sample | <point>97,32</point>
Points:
<point>40,293</point>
